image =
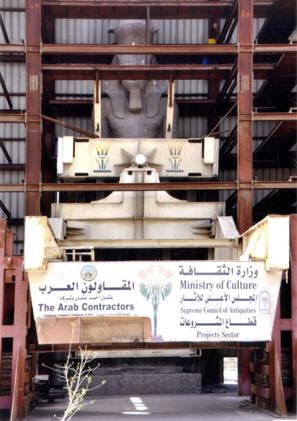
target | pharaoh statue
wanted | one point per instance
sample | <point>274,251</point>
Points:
<point>133,108</point>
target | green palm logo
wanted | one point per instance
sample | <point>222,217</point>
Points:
<point>102,150</point>
<point>155,288</point>
<point>175,150</point>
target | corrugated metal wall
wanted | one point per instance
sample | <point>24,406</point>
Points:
<point>14,77</point>
<point>14,202</point>
<point>14,22</point>
<point>96,31</point>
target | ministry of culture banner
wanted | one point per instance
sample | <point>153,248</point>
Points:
<point>185,300</point>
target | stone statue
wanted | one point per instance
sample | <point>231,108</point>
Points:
<point>133,108</point>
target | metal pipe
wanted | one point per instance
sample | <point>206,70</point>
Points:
<point>69,126</point>
<point>222,119</point>
<point>2,83</point>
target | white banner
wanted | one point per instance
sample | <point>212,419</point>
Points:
<point>196,301</point>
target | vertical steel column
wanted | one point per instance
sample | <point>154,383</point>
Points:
<point>244,147</point>
<point>213,93</point>
<point>48,167</point>
<point>244,114</point>
<point>33,97</point>
<point>274,346</point>
<point>20,332</point>
<point>213,85</point>
<point>293,249</point>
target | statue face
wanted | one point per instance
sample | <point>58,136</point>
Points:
<point>133,32</point>
<point>133,59</point>
<point>134,84</point>
<point>134,88</point>
<point>134,93</point>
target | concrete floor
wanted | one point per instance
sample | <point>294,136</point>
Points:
<point>206,407</point>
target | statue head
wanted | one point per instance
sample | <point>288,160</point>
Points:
<point>133,32</point>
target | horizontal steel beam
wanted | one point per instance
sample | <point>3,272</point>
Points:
<point>12,48</point>
<point>274,48</point>
<point>12,9</point>
<point>290,116</point>
<point>168,49</point>
<point>12,188</point>
<point>88,72</point>
<point>47,187</point>
<point>132,244</point>
<point>137,9</point>
<point>161,72</point>
<point>155,49</point>
<point>12,167</point>
<point>267,185</point>
<point>147,345</point>
<point>12,117</point>
<point>186,185</point>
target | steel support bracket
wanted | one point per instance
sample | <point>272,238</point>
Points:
<point>245,117</point>
<point>248,48</point>
<point>33,188</point>
<point>246,185</point>
<point>33,48</point>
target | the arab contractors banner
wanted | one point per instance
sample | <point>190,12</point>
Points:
<point>185,300</point>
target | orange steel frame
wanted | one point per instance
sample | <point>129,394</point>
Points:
<point>34,185</point>
<point>11,272</point>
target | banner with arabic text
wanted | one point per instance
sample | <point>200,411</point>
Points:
<point>200,301</point>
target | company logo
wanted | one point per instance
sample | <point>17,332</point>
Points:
<point>88,273</point>
<point>264,302</point>
<point>175,150</point>
<point>102,150</point>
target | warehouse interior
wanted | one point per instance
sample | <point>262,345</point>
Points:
<point>231,73</point>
